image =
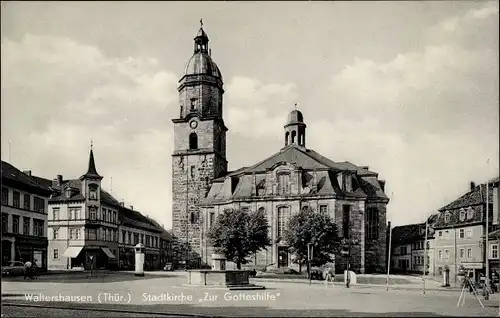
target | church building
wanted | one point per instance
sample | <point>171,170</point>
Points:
<point>292,179</point>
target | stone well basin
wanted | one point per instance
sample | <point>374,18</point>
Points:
<point>208,277</point>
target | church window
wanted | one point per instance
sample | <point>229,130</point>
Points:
<point>192,171</point>
<point>346,211</point>
<point>294,134</point>
<point>193,218</point>
<point>283,213</point>
<point>323,209</point>
<point>182,108</point>
<point>211,218</point>
<point>193,103</point>
<point>372,224</point>
<point>193,141</point>
<point>301,139</point>
<point>287,135</point>
<point>284,183</point>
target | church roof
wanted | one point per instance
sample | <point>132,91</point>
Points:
<point>321,178</point>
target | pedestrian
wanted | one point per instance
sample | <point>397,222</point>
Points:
<point>27,269</point>
<point>330,276</point>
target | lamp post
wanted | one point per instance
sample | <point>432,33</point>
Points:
<point>346,252</point>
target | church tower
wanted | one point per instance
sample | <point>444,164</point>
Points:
<point>199,147</point>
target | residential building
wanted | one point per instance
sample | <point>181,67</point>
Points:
<point>24,217</point>
<point>408,250</point>
<point>460,228</point>
<point>86,226</point>
<point>494,237</point>
<point>292,179</point>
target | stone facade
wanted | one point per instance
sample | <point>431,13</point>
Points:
<point>281,185</point>
<point>199,148</point>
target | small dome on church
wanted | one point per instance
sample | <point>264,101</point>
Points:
<point>295,117</point>
<point>202,63</point>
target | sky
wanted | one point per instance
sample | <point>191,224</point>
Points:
<point>409,89</point>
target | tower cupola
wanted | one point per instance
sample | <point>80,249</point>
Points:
<point>295,129</point>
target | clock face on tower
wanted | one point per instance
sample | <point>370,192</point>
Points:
<point>193,124</point>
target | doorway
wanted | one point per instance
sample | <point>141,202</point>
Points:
<point>282,256</point>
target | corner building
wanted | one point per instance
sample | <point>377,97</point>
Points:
<point>292,179</point>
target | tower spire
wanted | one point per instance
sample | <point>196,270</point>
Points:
<point>201,40</point>
<point>91,171</point>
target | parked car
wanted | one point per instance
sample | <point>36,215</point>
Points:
<point>13,268</point>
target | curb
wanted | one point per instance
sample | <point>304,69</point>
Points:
<point>394,287</point>
<point>105,310</point>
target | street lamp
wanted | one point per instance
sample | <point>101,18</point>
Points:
<point>346,252</point>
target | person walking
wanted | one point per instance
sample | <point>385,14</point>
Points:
<point>27,269</point>
<point>330,276</point>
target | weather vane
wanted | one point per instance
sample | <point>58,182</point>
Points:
<point>91,144</point>
<point>201,22</point>
<point>295,106</point>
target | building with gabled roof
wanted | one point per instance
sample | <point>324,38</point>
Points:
<point>292,179</point>
<point>408,248</point>
<point>460,230</point>
<point>89,228</point>
<point>24,217</point>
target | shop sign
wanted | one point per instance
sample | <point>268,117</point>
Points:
<point>473,265</point>
<point>31,241</point>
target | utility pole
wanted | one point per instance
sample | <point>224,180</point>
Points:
<point>425,251</point>
<point>390,247</point>
<point>486,254</point>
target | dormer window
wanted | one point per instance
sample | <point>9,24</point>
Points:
<point>462,215</point>
<point>470,213</point>
<point>447,217</point>
<point>68,193</point>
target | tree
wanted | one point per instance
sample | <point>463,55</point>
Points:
<point>238,234</point>
<point>318,229</point>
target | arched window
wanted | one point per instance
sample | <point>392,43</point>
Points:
<point>301,139</point>
<point>294,134</point>
<point>193,141</point>
<point>287,135</point>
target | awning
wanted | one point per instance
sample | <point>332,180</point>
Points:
<point>108,252</point>
<point>72,251</point>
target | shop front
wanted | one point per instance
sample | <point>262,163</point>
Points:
<point>33,249</point>
<point>91,257</point>
<point>6,252</point>
<point>127,258</point>
<point>152,260</point>
<point>474,268</point>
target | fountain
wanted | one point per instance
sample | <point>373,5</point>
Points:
<point>219,277</point>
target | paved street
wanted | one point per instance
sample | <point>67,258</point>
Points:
<point>166,294</point>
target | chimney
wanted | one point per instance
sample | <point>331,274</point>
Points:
<point>382,185</point>
<point>28,172</point>
<point>59,180</point>
<point>122,203</point>
<point>131,207</point>
<point>472,185</point>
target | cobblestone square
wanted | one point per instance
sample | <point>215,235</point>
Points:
<point>166,294</point>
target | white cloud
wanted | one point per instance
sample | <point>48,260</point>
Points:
<point>124,105</point>
<point>256,109</point>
